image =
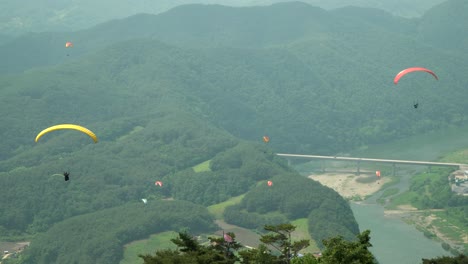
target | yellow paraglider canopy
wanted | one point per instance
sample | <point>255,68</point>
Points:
<point>67,126</point>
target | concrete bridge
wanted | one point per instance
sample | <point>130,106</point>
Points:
<point>358,161</point>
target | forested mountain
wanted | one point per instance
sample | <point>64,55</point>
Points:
<point>67,15</point>
<point>164,93</point>
<point>157,111</point>
<point>446,32</point>
<point>98,237</point>
<point>253,27</point>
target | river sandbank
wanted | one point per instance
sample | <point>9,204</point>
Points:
<point>351,186</point>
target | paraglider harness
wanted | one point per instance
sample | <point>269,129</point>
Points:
<point>66,174</point>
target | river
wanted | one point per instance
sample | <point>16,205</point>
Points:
<point>393,240</point>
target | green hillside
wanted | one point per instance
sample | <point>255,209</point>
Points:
<point>151,113</point>
<point>433,28</point>
<point>220,26</point>
<point>164,98</point>
<point>330,66</point>
<point>98,237</point>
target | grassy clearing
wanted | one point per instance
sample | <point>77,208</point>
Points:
<point>135,129</point>
<point>302,232</point>
<point>217,210</point>
<point>243,235</point>
<point>147,246</point>
<point>402,199</point>
<point>204,166</point>
<point>460,156</point>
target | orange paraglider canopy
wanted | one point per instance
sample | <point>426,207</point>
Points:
<point>270,183</point>
<point>266,139</point>
<point>412,69</point>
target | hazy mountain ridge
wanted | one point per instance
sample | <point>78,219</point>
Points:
<point>160,108</point>
<point>342,51</point>
<point>176,27</point>
<point>203,26</point>
<point>446,32</point>
<point>70,15</point>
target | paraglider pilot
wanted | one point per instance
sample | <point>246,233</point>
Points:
<point>66,174</point>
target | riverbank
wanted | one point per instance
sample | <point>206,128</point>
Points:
<point>431,223</point>
<point>351,186</point>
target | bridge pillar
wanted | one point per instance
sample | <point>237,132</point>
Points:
<point>358,164</point>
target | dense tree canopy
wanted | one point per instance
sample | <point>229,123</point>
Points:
<point>337,251</point>
<point>164,98</point>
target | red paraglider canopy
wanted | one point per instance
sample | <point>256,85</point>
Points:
<point>227,238</point>
<point>158,183</point>
<point>405,71</point>
<point>270,183</point>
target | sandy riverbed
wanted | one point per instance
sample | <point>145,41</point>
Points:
<point>350,185</point>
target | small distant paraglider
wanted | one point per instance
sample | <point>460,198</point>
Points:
<point>227,238</point>
<point>68,44</point>
<point>270,183</point>
<point>66,174</point>
<point>158,183</point>
<point>266,139</point>
<point>412,69</point>
<point>144,200</point>
<point>84,130</point>
<point>67,126</point>
<point>377,173</point>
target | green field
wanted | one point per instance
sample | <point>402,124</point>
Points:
<point>135,130</point>
<point>302,232</point>
<point>217,210</point>
<point>244,236</point>
<point>204,166</point>
<point>147,246</point>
